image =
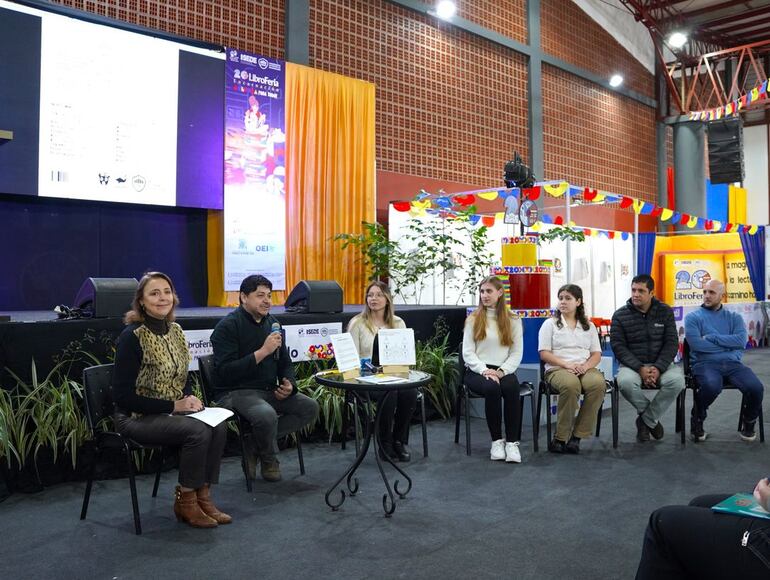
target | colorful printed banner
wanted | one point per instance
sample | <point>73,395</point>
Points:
<point>255,145</point>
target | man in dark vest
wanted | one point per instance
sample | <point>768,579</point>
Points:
<point>645,341</point>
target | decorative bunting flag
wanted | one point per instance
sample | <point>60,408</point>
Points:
<point>444,202</point>
<point>656,211</point>
<point>684,219</point>
<point>532,193</point>
<point>624,235</point>
<point>692,222</point>
<point>558,220</point>
<point>708,225</point>
<point>666,214</point>
<point>557,190</point>
<point>465,200</point>
<point>753,229</point>
<point>402,205</point>
<point>488,220</point>
<point>626,202</point>
<point>488,195</point>
<point>638,204</point>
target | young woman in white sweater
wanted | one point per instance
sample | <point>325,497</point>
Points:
<point>492,347</point>
<point>378,313</point>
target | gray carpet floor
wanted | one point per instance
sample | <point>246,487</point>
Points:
<point>577,517</point>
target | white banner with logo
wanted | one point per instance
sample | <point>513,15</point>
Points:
<point>199,344</point>
<point>310,341</point>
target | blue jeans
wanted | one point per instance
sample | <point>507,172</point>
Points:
<point>711,378</point>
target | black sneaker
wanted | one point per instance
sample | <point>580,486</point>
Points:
<point>573,445</point>
<point>657,431</point>
<point>557,446</point>
<point>642,430</point>
<point>696,430</point>
<point>748,433</point>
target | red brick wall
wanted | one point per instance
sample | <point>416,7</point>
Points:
<point>252,25</point>
<point>507,17</point>
<point>449,105</point>
<point>572,35</point>
<point>595,137</point>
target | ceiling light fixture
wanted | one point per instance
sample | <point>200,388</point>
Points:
<point>446,9</point>
<point>677,39</point>
<point>616,80</point>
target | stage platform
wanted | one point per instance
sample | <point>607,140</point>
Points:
<point>40,335</point>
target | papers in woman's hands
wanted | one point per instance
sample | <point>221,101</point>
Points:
<point>212,416</point>
<point>381,379</point>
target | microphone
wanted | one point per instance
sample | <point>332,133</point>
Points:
<point>276,328</point>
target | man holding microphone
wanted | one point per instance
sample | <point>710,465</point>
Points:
<point>255,377</point>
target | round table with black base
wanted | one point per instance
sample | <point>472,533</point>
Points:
<point>362,394</point>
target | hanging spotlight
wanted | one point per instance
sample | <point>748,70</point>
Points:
<point>677,39</point>
<point>446,9</point>
<point>516,174</point>
<point>616,80</point>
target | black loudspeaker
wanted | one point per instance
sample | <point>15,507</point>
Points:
<point>725,139</point>
<point>106,297</point>
<point>318,296</point>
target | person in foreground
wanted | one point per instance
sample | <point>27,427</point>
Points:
<point>695,542</point>
<point>377,314</point>
<point>152,396</point>
<point>569,347</point>
<point>644,339</point>
<point>255,377</point>
<point>492,348</point>
<point>717,337</point>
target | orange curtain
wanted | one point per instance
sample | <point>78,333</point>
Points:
<point>330,175</point>
<point>330,183</point>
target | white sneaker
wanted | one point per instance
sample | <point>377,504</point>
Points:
<point>512,454</point>
<point>497,453</point>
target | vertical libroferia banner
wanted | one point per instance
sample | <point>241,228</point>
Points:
<point>255,169</point>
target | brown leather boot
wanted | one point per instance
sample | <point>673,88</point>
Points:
<point>207,506</point>
<point>187,510</point>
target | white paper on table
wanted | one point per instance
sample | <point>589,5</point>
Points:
<point>345,352</point>
<point>396,346</point>
<point>212,415</point>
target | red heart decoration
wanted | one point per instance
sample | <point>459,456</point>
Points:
<point>402,205</point>
<point>626,202</point>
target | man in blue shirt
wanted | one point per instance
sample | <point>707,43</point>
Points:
<point>717,338</point>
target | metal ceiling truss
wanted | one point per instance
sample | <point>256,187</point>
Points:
<point>716,66</point>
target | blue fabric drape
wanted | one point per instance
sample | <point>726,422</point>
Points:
<point>645,248</point>
<point>754,250</point>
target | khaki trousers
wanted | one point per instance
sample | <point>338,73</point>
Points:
<point>570,386</point>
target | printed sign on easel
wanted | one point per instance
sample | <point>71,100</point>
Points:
<point>397,351</point>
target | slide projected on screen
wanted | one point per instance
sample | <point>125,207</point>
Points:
<point>113,115</point>
<point>107,137</point>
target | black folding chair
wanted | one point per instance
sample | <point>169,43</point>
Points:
<point>206,368</point>
<point>546,390</point>
<point>691,383</point>
<point>205,371</point>
<point>462,402</point>
<point>99,405</point>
